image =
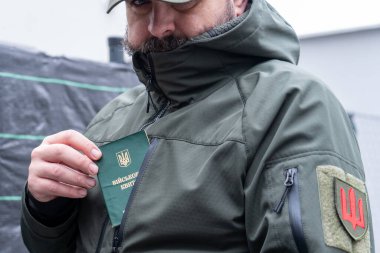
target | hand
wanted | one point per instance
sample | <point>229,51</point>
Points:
<point>62,166</point>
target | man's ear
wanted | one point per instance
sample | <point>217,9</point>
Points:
<point>240,7</point>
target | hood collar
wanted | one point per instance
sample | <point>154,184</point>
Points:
<point>208,61</point>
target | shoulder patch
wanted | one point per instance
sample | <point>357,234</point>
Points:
<point>339,193</point>
<point>351,206</point>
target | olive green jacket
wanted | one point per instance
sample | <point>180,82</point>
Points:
<point>231,117</point>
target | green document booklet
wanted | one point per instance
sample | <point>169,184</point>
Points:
<point>118,171</point>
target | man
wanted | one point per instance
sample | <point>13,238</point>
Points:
<point>248,153</point>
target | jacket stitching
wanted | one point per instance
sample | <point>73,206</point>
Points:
<point>244,101</point>
<point>243,116</point>
<point>198,143</point>
<point>312,153</point>
<point>109,116</point>
<point>180,139</point>
<point>233,79</point>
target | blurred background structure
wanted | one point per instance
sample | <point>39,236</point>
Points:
<point>339,43</point>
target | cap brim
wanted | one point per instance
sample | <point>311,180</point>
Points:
<point>113,3</point>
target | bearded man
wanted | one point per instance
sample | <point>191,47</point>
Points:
<point>248,153</point>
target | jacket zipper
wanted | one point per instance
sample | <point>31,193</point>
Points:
<point>157,115</point>
<point>292,193</point>
<point>118,234</point>
<point>151,82</point>
<point>100,241</point>
<point>119,230</point>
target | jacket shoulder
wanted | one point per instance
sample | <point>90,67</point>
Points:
<point>295,113</point>
<point>278,78</point>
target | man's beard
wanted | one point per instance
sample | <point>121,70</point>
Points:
<point>154,45</point>
<point>171,42</point>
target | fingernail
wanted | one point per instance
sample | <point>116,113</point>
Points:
<point>96,153</point>
<point>91,182</point>
<point>82,192</point>
<point>93,168</point>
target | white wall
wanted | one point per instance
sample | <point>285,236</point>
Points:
<point>73,28</point>
<point>79,28</point>
<point>326,16</point>
<point>349,63</point>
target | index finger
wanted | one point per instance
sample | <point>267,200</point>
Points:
<point>75,140</point>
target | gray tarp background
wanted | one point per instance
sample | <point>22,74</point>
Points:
<point>39,96</point>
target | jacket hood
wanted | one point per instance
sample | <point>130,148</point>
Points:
<point>206,62</point>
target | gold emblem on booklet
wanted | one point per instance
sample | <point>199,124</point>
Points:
<point>123,158</point>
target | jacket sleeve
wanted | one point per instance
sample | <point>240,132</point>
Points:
<point>293,203</point>
<point>41,238</point>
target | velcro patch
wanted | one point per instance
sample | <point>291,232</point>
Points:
<point>342,228</point>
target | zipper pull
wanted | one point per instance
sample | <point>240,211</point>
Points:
<point>289,182</point>
<point>148,104</point>
<point>149,89</point>
<point>116,241</point>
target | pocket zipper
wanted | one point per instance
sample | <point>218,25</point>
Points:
<point>292,193</point>
<point>289,182</point>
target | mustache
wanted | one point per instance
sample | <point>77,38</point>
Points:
<point>155,45</point>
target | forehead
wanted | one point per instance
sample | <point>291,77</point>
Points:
<point>113,3</point>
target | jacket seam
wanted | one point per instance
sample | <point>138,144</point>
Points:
<point>244,101</point>
<point>107,118</point>
<point>243,116</point>
<point>312,153</point>
<point>198,143</point>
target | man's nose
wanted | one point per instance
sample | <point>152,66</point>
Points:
<point>161,23</point>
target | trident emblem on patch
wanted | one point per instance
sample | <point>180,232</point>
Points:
<point>346,215</point>
<point>352,209</point>
<point>123,158</point>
